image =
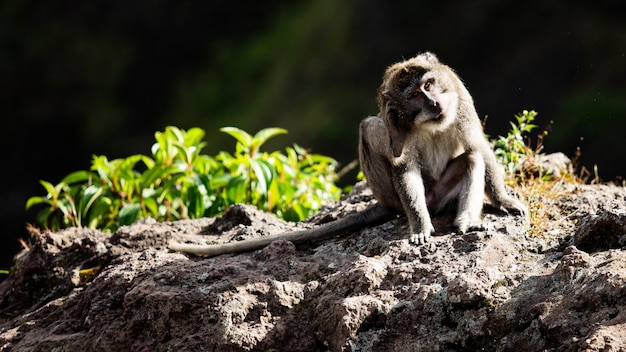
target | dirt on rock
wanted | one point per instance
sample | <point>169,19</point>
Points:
<point>506,287</point>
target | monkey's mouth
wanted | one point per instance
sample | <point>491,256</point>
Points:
<point>438,117</point>
<point>429,117</point>
<point>436,112</point>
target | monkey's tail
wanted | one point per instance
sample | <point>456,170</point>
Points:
<point>372,216</point>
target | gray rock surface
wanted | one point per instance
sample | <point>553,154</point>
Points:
<point>557,287</point>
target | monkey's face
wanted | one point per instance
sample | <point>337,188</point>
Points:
<point>419,94</point>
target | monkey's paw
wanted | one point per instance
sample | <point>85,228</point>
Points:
<point>421,237</point>
<point>515,206</point>
<point>464,224</point>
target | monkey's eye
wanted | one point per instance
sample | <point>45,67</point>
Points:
<point>428,85</point>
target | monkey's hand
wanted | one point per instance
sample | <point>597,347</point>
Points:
<point>421,237</point>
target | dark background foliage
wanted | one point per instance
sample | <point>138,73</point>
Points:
<point>83,78</point>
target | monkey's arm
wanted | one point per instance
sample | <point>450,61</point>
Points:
<point>373,215</point>
<point>408,179</point>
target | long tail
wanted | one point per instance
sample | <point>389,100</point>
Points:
<point>372,216</point>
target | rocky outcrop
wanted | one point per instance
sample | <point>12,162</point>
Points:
<point>502,288</point>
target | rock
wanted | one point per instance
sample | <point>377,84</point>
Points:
<point>555,164</point>
<point>488,290</point>
<point>602,231</point>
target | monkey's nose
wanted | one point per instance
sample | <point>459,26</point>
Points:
<point>434,108</point>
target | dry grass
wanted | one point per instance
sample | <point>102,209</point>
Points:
<point>544,196</point>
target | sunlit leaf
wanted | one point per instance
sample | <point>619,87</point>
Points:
<point>195,202</point>
<point>175,132</point>
<point>194,137</point>
<point>243,137</point>
<point>98,212</point>
<point>53,191</point>
<point>152,207</point>
<point>66,206</point>
<point>264,174</point>
<point>129,213</point>
<point>152,175</point>
<point>263,135</point>
<point>220,181</point>
<point>90,195</point>
<point>77,176</point>
<point>236,190</point>
<point>32,201</point>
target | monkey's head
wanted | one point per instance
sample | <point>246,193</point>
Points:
<point>419,94</point>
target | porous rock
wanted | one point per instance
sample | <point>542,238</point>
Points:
<point>497,289</point>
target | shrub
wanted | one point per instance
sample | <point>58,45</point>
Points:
<point>515,150</point>
<point>179,182</point>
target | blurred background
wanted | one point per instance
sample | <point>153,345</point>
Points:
<point>79,78</point>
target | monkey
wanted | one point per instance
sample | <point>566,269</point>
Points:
<point>423,153</point>
<point>426,148</point>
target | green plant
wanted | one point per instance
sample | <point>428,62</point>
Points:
<point>514,150</point>
<point>293,185</point>
<point>179,182</point>
<point>525,174</point>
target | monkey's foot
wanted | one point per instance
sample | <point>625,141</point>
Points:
<point>513,205</point>
<point>464,224</point>
<point>421,237</point>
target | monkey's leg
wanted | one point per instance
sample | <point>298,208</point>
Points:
<point>374,149</point>
<point>495,185</point>
<point>398,187</point>
<point>463,179</point>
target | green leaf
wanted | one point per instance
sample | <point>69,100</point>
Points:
<point>300,212</point>
<point>241,136</point>
<point>67,207</point>
<point>194,137</point>
<point>53,191</point>
<point>186,153</point>
<point>176,133</point>
<point>90,195</point>
<point>168,187</point>
<point>263,135</point>
<point>43,216</point>
<point>98,212</point>
<point>77,176</point>
<point>150,177</point>
<point>220,181</point>
<point>32,201</point>
<point>152,207</point>
<point>129,213</point>
<point>195,202</point>
<point>264,174</point>
<point>204,164</point>
<point>102,166</point>
<point>236,190</point>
